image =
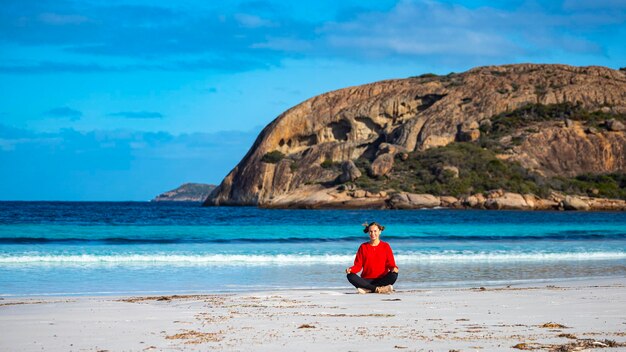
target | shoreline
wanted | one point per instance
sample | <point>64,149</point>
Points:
<point>462,318</point>
<point>365,204</point>
<point>443,285</point>
<point>319,197</point>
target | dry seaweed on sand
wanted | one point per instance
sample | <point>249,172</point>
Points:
<point>552,325</point>
<point>578,345</point>
<point>583,344</point>
<point>206,298</point>
<point>196,337</point>
<point>568,336</point>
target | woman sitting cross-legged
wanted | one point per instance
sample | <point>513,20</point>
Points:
<point>376,259</point>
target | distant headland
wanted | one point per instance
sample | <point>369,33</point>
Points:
<point>524,136</point>
<point>188,192</point>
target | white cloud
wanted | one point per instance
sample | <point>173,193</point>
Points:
<point>137,114</point>
<point>252,21</point>
<point>284,44</point>
<point>65,112</point>
<point>10,144</point>
<point>56,19</point>
<point>594,4</point>
<point>425,28</point>
<point>419,29</point>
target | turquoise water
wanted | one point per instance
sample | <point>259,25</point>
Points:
<point>61,248</point>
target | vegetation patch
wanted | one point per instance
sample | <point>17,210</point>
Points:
<point>479,168</point>
<point>273,157</point>
<point>480,171</point>
<point>329,164</point>
<point>424,172</point>
<point>508,122</point>
<point>604,185</point>
<point>427,75</point>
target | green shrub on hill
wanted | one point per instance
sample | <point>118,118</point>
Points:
<point>427,75</point>
<point>366,181</point>
<point>605,186</point>
<point>508,122</point>
<point>479,168</point>
<point>329,164</point>
<point>273,157</point>
<point>480,171</point>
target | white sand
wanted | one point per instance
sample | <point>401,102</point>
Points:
<point>440,319</point>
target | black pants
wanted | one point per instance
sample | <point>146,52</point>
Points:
<point>371,284</point>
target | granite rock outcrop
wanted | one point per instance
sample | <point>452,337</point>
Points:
<point>378,121</point>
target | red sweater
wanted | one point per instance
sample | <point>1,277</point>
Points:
<point>376,261</point>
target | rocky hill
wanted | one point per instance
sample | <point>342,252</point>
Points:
<point>188,192</point>
<point>516,136</point>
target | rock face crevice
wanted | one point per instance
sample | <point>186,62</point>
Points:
<point>419,113</point>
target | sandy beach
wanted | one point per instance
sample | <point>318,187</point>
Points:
<point>548,316</point>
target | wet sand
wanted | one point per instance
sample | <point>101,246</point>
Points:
<point>547,316</point>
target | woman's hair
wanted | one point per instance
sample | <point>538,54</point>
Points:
<point>367,226</point>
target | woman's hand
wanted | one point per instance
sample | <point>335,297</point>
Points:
<point>348,271</point>
<point>395,270</point>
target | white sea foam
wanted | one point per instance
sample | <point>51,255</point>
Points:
<point>304,259</point>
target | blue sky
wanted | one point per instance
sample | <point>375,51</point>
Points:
<point>122,100</point>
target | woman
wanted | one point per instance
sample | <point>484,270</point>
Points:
<point>376,259</point>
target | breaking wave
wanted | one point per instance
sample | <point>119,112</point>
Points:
<point>306,259</point>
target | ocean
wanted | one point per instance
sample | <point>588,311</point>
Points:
<point>133,248</point>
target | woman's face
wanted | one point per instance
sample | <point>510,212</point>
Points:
<point>374,232</point>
